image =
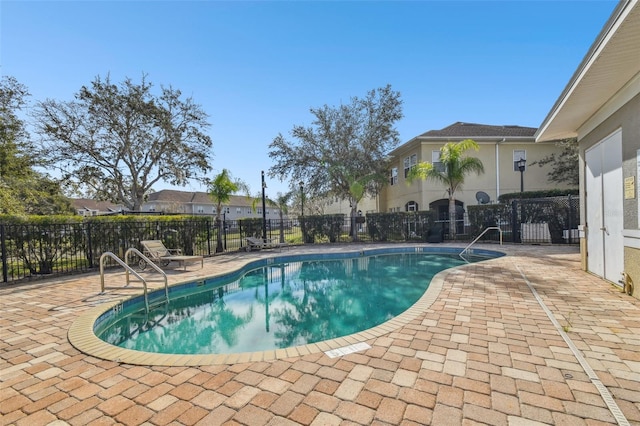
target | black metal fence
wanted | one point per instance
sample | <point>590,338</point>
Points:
<point>550,220</point>
<point>32,250</point>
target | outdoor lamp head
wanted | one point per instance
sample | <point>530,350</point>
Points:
<point>521,164</point>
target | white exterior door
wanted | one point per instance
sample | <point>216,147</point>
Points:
<point>604,216</point>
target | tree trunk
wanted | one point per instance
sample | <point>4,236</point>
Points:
<point>219,248</point>
<point>452,218</point>
<point>354,229</point>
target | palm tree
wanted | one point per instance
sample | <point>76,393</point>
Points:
<point>455,167</point>
<point>220,190</point>
<point>282,202</point>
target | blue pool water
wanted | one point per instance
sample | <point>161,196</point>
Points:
<point>276,305</point>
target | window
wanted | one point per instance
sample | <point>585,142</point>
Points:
<point>259,210</point>
<point>411,206</point>
<point>152,207</point>
<point>517,155</point>
<point>248,211</point>
<point>215,210</point>
<point>200,209</point>
<point>238,210</point>
<point>227,210</point>
<point>435,160</point>
<point>409,163</point>
<point>394,176</point>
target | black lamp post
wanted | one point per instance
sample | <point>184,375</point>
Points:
<point>264,211</point>
<point>522,164</point>
<point>302,209</point>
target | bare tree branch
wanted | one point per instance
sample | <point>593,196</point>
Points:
<point>120,140</point>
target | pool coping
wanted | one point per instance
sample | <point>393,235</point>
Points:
<point>81,333</point>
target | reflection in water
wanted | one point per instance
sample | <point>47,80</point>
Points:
<point>280,305</point>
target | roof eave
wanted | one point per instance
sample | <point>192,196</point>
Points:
<point>558,116</point>
<point>475,138</point>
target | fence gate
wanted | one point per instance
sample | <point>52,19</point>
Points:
<point>549,220</point>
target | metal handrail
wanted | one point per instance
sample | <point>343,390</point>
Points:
<point>481,234</point>
<point>150,263</point>
<point>127,269</point>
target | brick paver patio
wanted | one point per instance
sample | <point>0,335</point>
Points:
<point>484,352</point>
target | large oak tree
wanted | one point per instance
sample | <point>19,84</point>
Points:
<point>344,153</point>
<point>117,140</point>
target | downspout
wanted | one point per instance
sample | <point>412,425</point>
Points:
<point>498,169</point>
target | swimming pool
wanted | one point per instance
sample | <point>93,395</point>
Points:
<point>275,304</point>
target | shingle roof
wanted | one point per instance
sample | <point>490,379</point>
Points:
<point>173,196</point>
<point>471,130</point>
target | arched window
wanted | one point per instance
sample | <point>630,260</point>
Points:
<point>411,206</point>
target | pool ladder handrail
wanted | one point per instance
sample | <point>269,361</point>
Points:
<point>128,270</point>
<point>478,237</point>
<point>153,266</point>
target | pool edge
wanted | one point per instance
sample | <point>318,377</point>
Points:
<point>82,337</point>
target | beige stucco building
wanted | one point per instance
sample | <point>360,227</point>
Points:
<point>200,203</point>
<point>500,148</point>
<point>601,107</point>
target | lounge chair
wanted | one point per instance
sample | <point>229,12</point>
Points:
<point>259,243</point>
<point>158,253</point>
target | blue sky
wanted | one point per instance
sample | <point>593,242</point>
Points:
<point>257,67</point>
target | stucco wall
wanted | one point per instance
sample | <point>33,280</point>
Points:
<point>366,205</point>
<point>626,118</point>
<point>499,176</point>
<point>632,267</point>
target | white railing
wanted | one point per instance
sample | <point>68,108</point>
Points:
<point>481,234</point>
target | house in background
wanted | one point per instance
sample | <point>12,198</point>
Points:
<point>89,207</point>
<point>196,203</point>
<point>501,147</point>
<point>601,107</point>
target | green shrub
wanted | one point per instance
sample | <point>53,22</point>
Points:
<point>400,226</point>
<point>507,198</point>
<point>318,227</point>
<point>41,242</point>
